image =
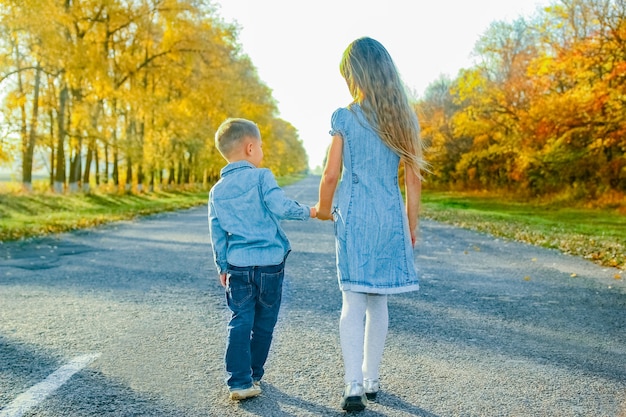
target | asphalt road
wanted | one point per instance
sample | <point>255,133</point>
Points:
<point>130,320</point>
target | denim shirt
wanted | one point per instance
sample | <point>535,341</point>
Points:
<point>245,209</point>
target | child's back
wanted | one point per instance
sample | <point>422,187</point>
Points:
<point>248,205</point>
<point>249,249</point>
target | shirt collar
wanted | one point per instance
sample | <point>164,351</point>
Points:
<point>236,166</point>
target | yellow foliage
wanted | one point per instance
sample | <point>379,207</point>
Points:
<point>543,111</point>
<point>147,83</point>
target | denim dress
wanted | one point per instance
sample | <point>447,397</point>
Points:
<point>373,241</point>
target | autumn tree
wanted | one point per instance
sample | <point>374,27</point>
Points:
<point>494,98</point>
<point>543,109</point>
<point>579,117</point>
<point>23,31</point>
<point>436,111</point>
<point>129,92</point>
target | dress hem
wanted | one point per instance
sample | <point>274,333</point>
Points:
<point>373,290</point>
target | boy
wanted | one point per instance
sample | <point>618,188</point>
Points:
<point>249,249</point>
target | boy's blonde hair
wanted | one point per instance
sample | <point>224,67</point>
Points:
<point>375,84</point>
<point>231,132</point>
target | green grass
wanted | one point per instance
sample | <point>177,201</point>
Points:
<point>39,213</point>
<point>24,216</point>
<point>595,234</point>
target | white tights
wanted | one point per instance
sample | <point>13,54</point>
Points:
<point>362,329</point>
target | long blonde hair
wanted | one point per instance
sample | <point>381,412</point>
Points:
<point>375,84</point>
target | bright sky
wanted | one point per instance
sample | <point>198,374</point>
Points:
<point>296,47</point>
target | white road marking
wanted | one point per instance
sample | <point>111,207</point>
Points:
<point>41,391</point>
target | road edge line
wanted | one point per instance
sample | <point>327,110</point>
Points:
<point>39,392</point>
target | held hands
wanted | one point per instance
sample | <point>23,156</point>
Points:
<point>323,214</point>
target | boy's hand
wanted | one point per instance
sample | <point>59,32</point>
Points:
<point>313,213</point>
<point>223,280</point>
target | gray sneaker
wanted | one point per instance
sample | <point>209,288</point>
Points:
<point>242,394</point>
<point>353,397</point>
<point>371,386</point>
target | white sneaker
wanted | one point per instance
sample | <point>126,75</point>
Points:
<point>371,386</point>
<point>353,397</point>
<point>242,394</point>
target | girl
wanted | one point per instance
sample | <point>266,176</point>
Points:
<point>374,233</point>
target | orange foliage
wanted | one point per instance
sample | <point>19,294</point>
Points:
<point>544,111</point>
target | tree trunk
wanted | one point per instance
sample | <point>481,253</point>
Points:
<point>129,174</point>
<point>59,179</point>
<point>172,175</point>
<point>88,162</point>
<point>76,167</point>
<point>116,168</point>
<point>140,178</point>
<point>52,153</point>
<point>106,163</point>
<point>96,156</point>
<point>29,148</point>
<point>152,180</point>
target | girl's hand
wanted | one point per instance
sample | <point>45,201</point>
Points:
<point>223,280</point>
<point>323,214</point>
<point>415,234</point>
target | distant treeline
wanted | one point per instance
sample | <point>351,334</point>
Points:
<point>543,112</point>
<point>128,93</point>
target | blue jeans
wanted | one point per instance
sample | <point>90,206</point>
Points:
<point>253,295</point>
